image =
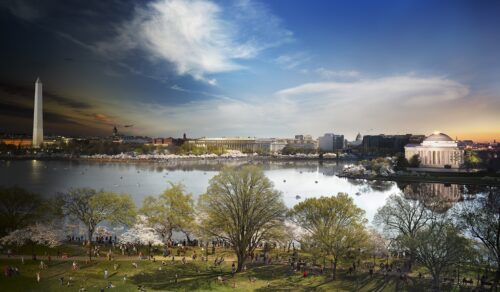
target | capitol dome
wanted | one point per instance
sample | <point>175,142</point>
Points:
<point>438,137</point>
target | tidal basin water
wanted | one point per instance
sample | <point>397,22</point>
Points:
<point>297,180</point>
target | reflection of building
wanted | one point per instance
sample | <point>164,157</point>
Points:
<point>331,142</point>
<point>441,197</point>
<point>438,150</point>
<point>38,115</point>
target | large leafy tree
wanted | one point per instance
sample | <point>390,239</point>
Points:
<point>91,207</point>
<point>242,207</point>
<point>481,218</point>
<point>171,211</point>
<point>439,246</point>
<point>18,208</point>
<point>334,225</point>
<point>401,219</point>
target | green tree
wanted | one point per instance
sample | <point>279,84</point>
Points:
<point>414,161</point>
<point>91,207</point>
<point>472,160</point>
<point>440,246</point>
<point>402,163</point>
<point>242,207</point>
<point>401,219</point>
<point>173,210</point>
<point>481,218</point>
<point>335,225</point>
<point>18,208</point>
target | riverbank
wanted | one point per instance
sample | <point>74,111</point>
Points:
<point>172,157</point>
<point>490,179</point>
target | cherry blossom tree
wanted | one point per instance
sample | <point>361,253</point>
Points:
<point>35,234</point>
<point>142,234</point>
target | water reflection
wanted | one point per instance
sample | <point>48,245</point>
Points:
<point>297,180</point>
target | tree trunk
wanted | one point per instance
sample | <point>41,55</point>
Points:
<point>334,268</point>
<point>90,244</point>
<point>241,260</point>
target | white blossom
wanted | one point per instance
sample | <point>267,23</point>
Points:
<point>37,233</point>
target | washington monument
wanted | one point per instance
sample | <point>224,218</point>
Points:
<point>38,115</point>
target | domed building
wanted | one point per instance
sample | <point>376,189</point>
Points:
<point>437,151</point>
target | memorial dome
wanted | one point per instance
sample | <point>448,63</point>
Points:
<point>438,137</point>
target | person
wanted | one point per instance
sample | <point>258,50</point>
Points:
<point>75,266</point>
<point>233,269</point>
<point>110,285</point>
<point>61,279</point>
<point>38,277</point>
<point>105,273</point>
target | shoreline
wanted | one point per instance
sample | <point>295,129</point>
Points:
<point>448,178</point>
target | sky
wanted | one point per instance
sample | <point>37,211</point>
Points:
<point>252,68</point>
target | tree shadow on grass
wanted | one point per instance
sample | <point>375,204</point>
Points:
<point>189,277</point>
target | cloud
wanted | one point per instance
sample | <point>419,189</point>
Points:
<point>292,61</point>
<point>27,93</point>
<point>329,74</point>
<point>344,107</point>
<point>104,119</point>
<point>22,9</point>
<point>198,37</point>
<point>407,90</point>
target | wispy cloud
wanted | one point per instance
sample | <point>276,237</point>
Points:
<point>198,37</point>
<point>25,10</point>
<point>292,61</point>
<point>329,74</point>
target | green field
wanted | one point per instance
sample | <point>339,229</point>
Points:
<point>160,275</point>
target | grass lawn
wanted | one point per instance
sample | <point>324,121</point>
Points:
<point>192,276</point>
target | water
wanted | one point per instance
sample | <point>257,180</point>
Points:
<point>299,178</point>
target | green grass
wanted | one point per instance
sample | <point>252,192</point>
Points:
<point>192,276</point>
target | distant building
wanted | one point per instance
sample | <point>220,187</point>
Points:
<point>163,141</point>
<point>135,140</point>
<point>235,143</point>
<point>437,151</point>
<point>388,144</point>
<point>331,142</point>
<point>21,142</point>
<point>303,142</point>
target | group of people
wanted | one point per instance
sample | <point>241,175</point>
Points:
<point>10,271</point>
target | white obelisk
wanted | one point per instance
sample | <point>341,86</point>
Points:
<point>38,115</point>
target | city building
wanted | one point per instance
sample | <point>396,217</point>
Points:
<point>331,142</point>
<point>303,142</point>
<point>437,151</point>
<point>38,115</point>
<point>234,143</point>
<point>388,144</point>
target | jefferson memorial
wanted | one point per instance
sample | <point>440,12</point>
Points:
<point>437,151</point>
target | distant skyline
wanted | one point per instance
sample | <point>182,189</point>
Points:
<point>252,68</point>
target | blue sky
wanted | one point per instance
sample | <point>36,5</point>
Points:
<point>253,68</point>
